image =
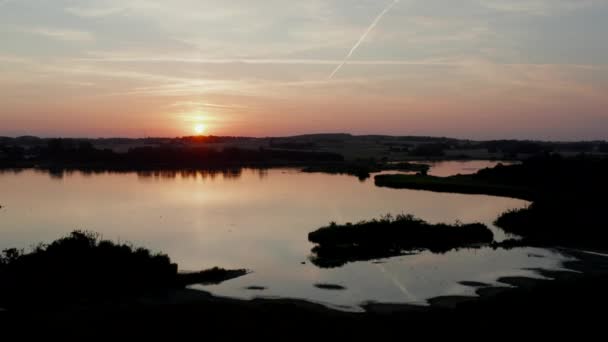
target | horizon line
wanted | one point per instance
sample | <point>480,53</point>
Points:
<point>301,135</point>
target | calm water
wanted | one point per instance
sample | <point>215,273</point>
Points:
<point>260,221</point>
<point>450,168</point>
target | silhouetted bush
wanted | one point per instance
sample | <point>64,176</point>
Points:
<point>82,266</point>
<point>572,222</point>
<point>75,265</point>
<point>388,236</point>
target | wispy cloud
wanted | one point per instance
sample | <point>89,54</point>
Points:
<point>14,59</point>
<point>277,61</point>
<point>62,34</point>
<point>94,12</point>
<point>191,104</point>
<point>536,7</point>
<point>285,60</point>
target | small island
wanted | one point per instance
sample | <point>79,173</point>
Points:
<point>389,236</point>
<point>364,168</point>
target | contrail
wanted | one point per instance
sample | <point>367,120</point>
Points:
<point>365,34</point>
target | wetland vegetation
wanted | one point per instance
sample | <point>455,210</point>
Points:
<point>84,267</point>
<point>464,184</point>
<point>391,236</point>
<point>567,194</point>
<point>364,168</point>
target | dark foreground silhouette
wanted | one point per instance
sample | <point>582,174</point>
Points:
<point>568,195</point>
<point>572,303</point>
<point>82,267</point>
<point>61,297</point>
<point>388,236</point>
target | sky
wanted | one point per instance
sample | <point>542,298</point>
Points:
<point>479,69</point>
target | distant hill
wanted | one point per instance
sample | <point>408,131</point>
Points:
<point>351,147</point>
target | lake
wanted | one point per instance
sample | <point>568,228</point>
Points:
<point>259,220</point>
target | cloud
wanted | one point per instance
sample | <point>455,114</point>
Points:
<point>275,55</point>
<point>536,7</point>
<point>62,34</point>
<point>14,59</point>
<point>254,61</point>
<point>199,104</point>
<point>94,12</point>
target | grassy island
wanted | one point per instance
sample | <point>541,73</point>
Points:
<point>363,168</point>
<point>391,236</point>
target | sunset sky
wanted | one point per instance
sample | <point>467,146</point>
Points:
<point>463,68</point>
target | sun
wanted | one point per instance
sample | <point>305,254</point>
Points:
<point>199,129</point>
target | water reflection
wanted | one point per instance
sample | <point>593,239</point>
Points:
<point>145,175</point>
<point>467,167</point>
<point>438,168</point>
<point>411,279</point>
<point>226,174</point>
<point>260,219</point>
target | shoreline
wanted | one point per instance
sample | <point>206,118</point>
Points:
<point>584,265</point>
<point>578,288</point>
<point>570,270</point>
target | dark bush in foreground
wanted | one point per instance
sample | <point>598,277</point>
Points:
<point>81,266</point>
<point>574,222</point>
<point>388,236</point>
<point>515,221</point>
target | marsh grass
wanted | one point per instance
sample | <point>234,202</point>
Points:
<point>82,266</point>
<point>391,236</point>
